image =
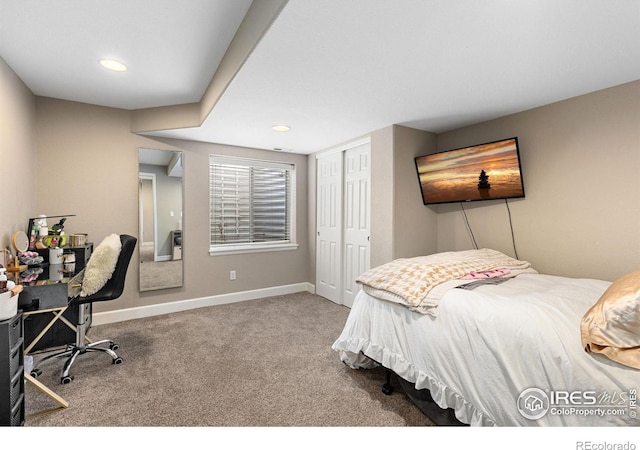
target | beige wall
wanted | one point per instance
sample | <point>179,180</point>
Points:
<point>207,275</point>
<point>17,154</point>
<point>88,166</point>
<point>414,225</point>
<point>581,160</point>
<point>382,188</point>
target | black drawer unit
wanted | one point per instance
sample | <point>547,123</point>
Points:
<point>12,371</point>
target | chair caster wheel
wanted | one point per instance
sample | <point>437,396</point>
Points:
<point>118,360</point>
<point>66,380</point>
<point>387,389</point>
<point>35,373</point>
<point>114,347</point>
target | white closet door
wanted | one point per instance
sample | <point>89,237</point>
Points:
<point>357,188</point>
<point>329,227</point>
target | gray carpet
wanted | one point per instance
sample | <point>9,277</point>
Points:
<point>261,363</point>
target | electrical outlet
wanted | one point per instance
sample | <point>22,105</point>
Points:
<point>232,275</point>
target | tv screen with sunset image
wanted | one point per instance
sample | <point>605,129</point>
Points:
<point>488,171</point>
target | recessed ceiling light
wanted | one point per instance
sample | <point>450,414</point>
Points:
<point>112,64</point>
<point>280,128</point>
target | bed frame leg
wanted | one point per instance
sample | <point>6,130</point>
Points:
<point>387,389</point>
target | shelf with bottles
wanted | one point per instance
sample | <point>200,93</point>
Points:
<point>41,236</point>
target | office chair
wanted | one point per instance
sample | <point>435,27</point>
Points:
<point>111,291</point>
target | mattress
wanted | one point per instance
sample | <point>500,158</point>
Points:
<point>499,355</point>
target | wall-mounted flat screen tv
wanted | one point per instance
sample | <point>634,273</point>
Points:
<point>488,171</point>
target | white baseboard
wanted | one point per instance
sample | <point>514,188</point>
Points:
<point>140,312</point>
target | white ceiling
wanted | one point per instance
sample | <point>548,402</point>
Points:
<point>333,70</point>
<point>172,51</point>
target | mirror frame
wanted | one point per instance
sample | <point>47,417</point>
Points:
<point>162,266</point>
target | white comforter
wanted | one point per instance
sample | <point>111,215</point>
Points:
<point>488,345</point>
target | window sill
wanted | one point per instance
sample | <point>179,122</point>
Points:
<point>240,249</point>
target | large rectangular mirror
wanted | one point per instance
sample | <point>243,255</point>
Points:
<point>160,219</point>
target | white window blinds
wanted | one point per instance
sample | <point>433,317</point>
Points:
<point>250,203</point>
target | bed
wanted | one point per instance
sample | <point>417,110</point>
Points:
<point>500,346</point>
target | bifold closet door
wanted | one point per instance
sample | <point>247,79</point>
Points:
<point>343,222</point>
<point>329,227</point>
<point>356,218</point>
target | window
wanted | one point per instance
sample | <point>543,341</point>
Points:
<point>251,205</point>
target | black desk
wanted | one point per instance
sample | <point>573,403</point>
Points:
<point>46,315</point>
<point>43,296</point>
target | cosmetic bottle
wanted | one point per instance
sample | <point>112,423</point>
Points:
<point>3,279</point>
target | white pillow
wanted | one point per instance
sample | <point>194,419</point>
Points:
<point>101,265</point>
